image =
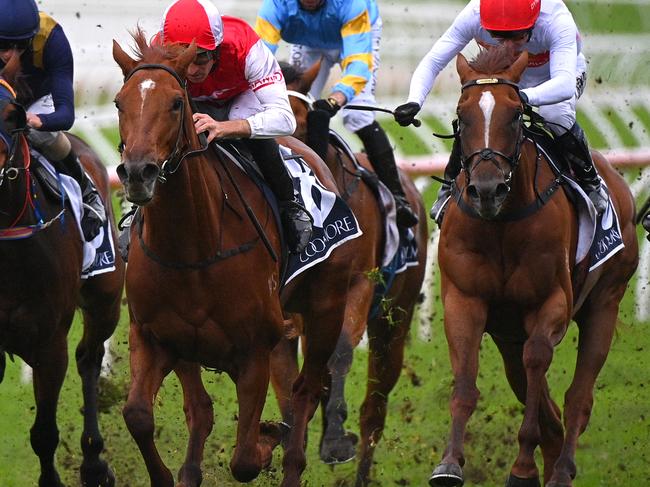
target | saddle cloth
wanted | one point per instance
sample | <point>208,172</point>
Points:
<point>98,254</point>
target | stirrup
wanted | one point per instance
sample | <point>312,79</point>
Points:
<point>406,217</point>
<point>599,198</point>
<point>438,208</point>
<point>94,212</point>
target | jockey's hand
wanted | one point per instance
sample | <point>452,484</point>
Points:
<point>524,100</point>
<point>34,121</point>
<point>220,130</point>
<point>405,114</point>
<point>330,105</point>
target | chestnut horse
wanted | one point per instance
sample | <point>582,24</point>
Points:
<point>203,281</point>
<point>387,332</point>
<point>507,256</point>
<point>41,287</point>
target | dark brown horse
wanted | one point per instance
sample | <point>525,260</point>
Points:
<point>41,287</point>
<point>203,284</point>
<point>387,331</point>
<point>508,268</point>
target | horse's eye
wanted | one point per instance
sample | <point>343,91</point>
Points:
<point>178,104</point>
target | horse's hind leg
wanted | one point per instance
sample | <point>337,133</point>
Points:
<point>386,343</point>
<point>150,363</point>
<point>199,416</point>
<point>48,374</point>
<point>321,333</point>
<point>101,313</point>
<point>597,327</point>
<point>252,452</point>
<point>552,433</point>
<point>284,371</point>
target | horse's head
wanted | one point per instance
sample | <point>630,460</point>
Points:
<point>490,125</point>
<point>298,86</point>
<point>155,119</point>
<point>13,120</point>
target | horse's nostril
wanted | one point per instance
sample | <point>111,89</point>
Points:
<point>150,172</point>
<point>472,191</point>
<point>121,173</point>
<point>502,190</point>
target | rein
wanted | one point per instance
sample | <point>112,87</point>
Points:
<point>171,164</point>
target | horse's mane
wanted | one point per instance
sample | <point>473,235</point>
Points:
<point>291,73</point>
<point>153,52</point>
<point>494,60</point>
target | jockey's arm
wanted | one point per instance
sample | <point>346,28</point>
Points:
<point>265,79</point>
<point>356,52</point>
<point>59,65</point>
<point>563,66</point>
<point>461,32</point>
<point>268,24</point>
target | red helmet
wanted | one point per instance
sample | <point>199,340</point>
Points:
<point>185,21</point>
<point>505,15</point>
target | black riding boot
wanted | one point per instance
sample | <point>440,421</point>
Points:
<point>382,159</point>
<point>573,145</point>
<point>318,132</point>
<point>452,170</point>
<point>296,220</point>
<point>94,215</point>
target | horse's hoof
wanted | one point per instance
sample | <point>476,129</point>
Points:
<point>447,475</point>
<point>339,450</point>
<point>271,433</point>
<point>100,475</point>
<point>514,481</point>
<point>190,475</point>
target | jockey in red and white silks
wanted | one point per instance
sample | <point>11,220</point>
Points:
<point>246,76</point>
<point>555,60</point>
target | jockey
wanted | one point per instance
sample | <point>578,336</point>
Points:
<point>346,32</point>
<point>240,92</point>
<point>553,81</point>
<point>47,68</point>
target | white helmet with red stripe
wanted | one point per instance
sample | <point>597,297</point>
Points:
<point>185,21</point>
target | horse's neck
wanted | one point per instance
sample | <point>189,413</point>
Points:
<point>186,207</point>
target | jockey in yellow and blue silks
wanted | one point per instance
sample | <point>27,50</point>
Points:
<point>345,32</point>
<point>47,67</point>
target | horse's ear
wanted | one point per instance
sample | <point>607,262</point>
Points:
<point>184,59</point>
<point>126,62</point>
<point>308,77</point>
<point>518,67</point>
<point>463,68</point>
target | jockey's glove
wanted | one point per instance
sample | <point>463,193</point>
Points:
<point>329,105</point>
<point>405,114</point>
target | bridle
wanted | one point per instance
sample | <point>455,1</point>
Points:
<point>173,161</point>
<point>487,153</point>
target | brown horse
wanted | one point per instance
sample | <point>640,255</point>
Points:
<point>41,288</point>
<point>203,281</point>
<point>387,332</point>
<point>507,257</point>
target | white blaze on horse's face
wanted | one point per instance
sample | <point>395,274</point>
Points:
<point>145,86</point>
<point>487,105</point>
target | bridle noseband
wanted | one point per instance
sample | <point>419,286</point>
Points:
<point>487,153</point>
<point>172,162</point>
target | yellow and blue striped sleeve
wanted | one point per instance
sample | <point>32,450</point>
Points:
<point>267,25</point>
<point>356,54</point>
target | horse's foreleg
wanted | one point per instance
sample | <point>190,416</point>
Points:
<point>48,374</point>
<point>337,445</point>
<point>252,382</point>
<point>596,332</point>
<point>199,416</point>
<point>552,433</point>
<point>546,327</point>
<point>150,363</point>
<point>99,324</point>
<point>464,325</point>
<point>386,343</point>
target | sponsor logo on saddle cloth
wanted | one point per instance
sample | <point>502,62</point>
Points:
<point>334,222</point>
<point>99,253</point>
